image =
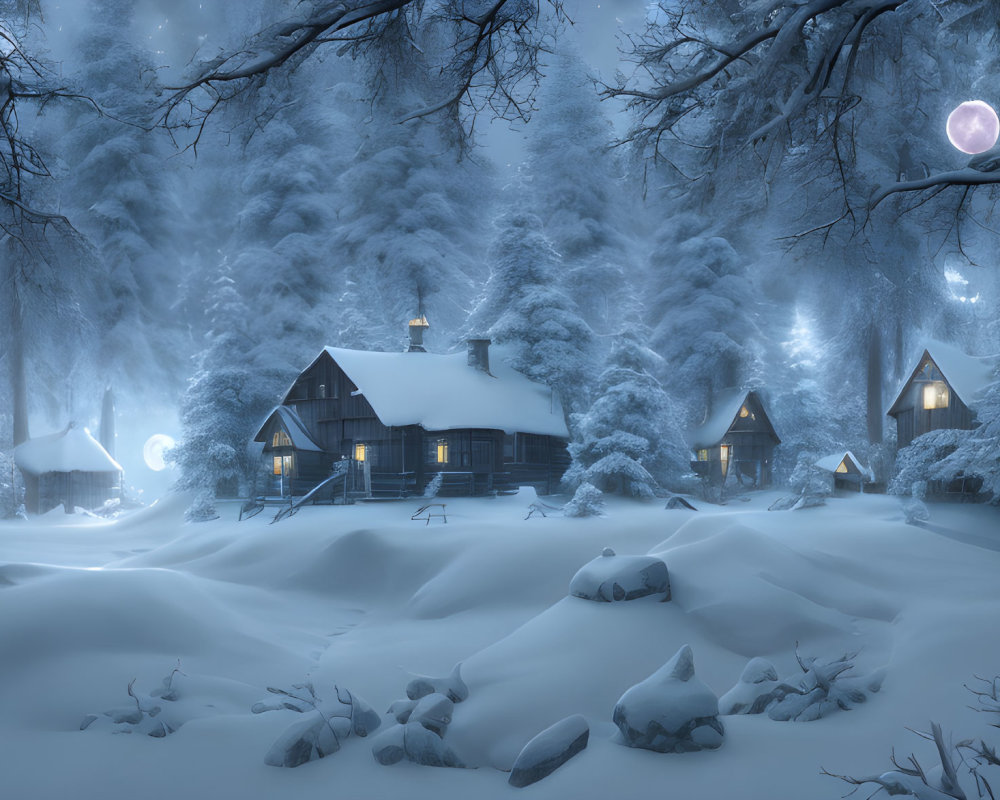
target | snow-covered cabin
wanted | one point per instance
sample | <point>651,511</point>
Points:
<point>70,467</point>
<point>407,417</point>
<point>736,438</point>
<point>846,469</point>
<point>941,392</point>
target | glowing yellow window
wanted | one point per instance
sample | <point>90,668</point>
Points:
<point>442,451</point>
<point>936,395</point>
<point>744,412</point>
<point>703,455</point>
<point>360,451</point>
<point>842,468</point>
<point>724,455</point>
<point>280,439</point>
<point>282,465</point>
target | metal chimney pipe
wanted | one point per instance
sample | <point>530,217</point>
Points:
<point>478,352</point>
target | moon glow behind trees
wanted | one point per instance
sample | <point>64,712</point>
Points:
<point>973,127</point>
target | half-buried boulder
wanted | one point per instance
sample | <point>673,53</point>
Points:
<point>549,750</point>
<point>671,711</point>
<point>609,578</point>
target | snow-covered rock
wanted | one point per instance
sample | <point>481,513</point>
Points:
<point>756,689</point>
<point>610,577</point>
<point>671,711</point>
<point>433,711</point>
<point>452,686</point>
<point>415,743</point>
<point>549,750</point>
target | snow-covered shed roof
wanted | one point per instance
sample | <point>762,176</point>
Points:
<point>967,375</point>
<point>293,424</point>
<point>727,407</point>
<point>442,392</point>
<point>70,450</point>
<point>832,464</point>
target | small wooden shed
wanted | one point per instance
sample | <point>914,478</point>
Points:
<point>737,438</point>
<point>941,392</point>
<point>847,471</point>
<point>70,467</point>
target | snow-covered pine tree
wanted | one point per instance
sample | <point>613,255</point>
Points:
<point>226,399</point>
<point>704,313</point>
<point>411,208</point>
<point>524,308</point>
<point>586,211</point>
<point>118,188</point>
<point>628,442</point>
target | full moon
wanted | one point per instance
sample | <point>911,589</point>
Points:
<point>973,127</point>
<point>152,451</point>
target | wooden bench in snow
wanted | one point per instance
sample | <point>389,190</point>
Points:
<point>428,511</point>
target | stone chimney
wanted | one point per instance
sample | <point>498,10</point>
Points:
<point>479,354</point>
<point>417,327</point>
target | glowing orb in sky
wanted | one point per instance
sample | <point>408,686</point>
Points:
<point>973,127</point>
<point>152,451</point>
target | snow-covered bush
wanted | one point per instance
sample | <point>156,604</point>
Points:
<point>820,689</point>
<point>178,699</point>
<point>962,770</point>
<point>327,722</point>
<point>588,501</point>
<point>926,459</point>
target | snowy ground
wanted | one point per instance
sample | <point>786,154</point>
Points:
<point>366,598</point>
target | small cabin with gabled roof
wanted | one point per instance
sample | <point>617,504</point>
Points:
<point>941,393</point>
<point>847,470</point>
<point>737,438</point>
<point>70,467</point>
<point>402,419</point>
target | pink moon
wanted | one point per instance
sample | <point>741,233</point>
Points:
<point>973,127</point>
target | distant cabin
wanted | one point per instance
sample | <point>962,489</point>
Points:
<point>847,471</point>
<point>402,420</point>
<point>940,394</point>
<point>70,467</point>
<point>737,439</point>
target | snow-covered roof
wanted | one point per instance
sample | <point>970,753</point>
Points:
<point>70,450</point>
<point>831,463</point>
<point>293,424</point>
<point>442,392</point>
<point>727,407</point>
<point>967,375</point>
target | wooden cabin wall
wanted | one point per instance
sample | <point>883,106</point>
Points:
<point>913,420</point>
<point>84,489</point>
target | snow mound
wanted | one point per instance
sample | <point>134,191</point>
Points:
<point>729,576</point>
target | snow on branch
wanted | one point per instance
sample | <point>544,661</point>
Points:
<point>490,58</point>
<point>687,69</point>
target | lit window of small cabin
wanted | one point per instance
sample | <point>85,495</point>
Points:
<point>703,455</point>
<point>280,439</point>
<point>935,395</point>
<point>442,451</point>
<point>744,412</point>
<point>842,468</point>
<point>282,465</point>
<point>360,451</point>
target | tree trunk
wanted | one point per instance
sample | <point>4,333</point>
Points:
<point>874,385</point>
